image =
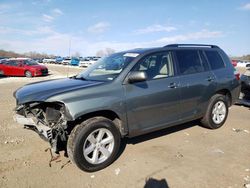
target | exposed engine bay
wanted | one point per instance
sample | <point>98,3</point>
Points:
<point>49,120</point>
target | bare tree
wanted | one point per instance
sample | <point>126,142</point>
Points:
<point>105,52</point>
<point>100,53</point>
<point>76,54</point>
<point>109,51</point>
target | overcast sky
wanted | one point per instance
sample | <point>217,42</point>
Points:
<point>91,25</point>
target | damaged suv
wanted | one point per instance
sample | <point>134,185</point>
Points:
<point>128,94</point>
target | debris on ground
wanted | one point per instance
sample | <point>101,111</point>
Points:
<point>92,176</point>
<point>179,155</point>
<point>186,133</point>
<point>237,130</point>
<point>4,178</point>
<point>240,130</point>
<point>247,185</point>
<point>246,131</point>
<point>68,162</point>
<point>247,170</point>
<point>13,140</point>
<point>117,171</point>
<point>218,151</point>
<point>247,178</point>
<point>53,158</point>
<point>26,163</point>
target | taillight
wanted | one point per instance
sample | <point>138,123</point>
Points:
<point>237,75</point>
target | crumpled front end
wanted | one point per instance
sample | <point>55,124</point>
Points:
<point>49,120</point>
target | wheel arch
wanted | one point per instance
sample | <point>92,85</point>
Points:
<point>227,93</point>
<point>32,74</point>
<point>109,114</point>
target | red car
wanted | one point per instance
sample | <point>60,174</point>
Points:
<point>22,67</point>
<point>234,63</point>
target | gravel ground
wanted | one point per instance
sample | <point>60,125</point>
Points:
<point>183,156</point>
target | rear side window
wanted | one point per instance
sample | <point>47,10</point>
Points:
<point>12,63</point>
<point>189,61</point>
<point>214,59</point>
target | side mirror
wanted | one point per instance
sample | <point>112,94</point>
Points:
<point>137,76</point>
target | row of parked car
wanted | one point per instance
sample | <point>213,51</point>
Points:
<point>81,62</point>
<point>34,67</point>
<point>237,63</point>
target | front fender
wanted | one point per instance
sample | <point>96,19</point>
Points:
<point>101,98</point>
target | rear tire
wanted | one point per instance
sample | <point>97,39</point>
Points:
<point>28,74</point>
<point>216,113</point>
<point>94,144</point>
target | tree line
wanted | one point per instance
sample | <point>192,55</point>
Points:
<point>4,53</point>
<point>33,54</point>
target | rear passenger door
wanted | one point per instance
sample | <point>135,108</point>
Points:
<point>196,82</point>
<point>8,68</point>
<point>218,66</point>
<point>16,68</point>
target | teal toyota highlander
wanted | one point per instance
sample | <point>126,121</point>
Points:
<point>127,94</point>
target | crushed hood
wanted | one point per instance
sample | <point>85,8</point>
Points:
<point>40,91</point>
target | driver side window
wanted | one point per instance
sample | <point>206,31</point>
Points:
<point>156,66</point>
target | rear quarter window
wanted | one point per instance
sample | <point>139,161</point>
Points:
<point>12,63</point>
<point>215,60</point>
<point>189,61</point>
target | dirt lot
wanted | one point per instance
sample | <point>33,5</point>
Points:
<point>183,156</point>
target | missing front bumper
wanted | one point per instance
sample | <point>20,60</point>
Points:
<point>43,131</point>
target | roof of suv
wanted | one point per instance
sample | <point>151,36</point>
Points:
<point>176,46</point>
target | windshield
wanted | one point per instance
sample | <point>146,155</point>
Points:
<point>107,68</point>
<point>30,62</point>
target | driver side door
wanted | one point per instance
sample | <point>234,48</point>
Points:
<point>155,103</point>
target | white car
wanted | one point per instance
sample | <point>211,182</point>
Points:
<point>88,61</point>
<point>19,58</point>
<point>243,64</point>
<point>66,61</point>
<point>49,60</point>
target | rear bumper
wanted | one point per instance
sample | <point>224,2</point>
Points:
<point>235,93</point>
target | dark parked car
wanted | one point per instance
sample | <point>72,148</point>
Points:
<point>245,82</point>
<point>22,67</point>
<point>146,90</point>
<point>244,97</point>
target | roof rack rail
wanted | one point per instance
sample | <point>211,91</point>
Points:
<point>191,45</point>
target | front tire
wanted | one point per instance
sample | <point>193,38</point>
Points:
<point>94,144</point>
<point>216,113</point>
